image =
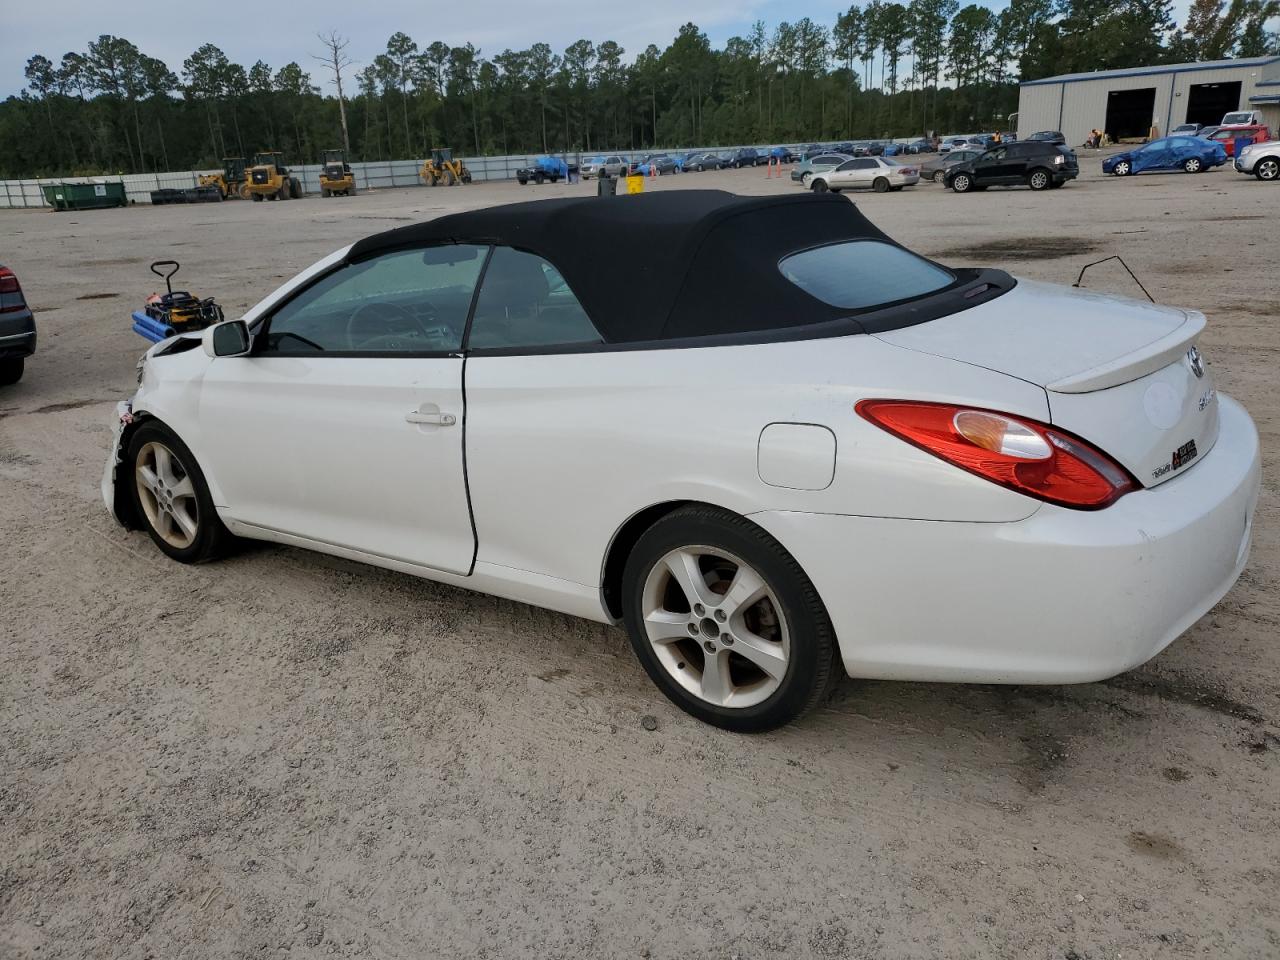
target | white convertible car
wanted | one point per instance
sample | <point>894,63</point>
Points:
<point>760,433</point>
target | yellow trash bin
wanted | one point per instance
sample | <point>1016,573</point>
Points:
<point>635,184</point>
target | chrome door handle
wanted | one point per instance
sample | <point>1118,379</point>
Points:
<point>431,419</point>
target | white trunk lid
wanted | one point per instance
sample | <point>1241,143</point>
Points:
<point>1122,374</point>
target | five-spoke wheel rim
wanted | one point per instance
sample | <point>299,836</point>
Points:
<point>716,626</point>
<point>167,495</point>
<point>1269,169</point>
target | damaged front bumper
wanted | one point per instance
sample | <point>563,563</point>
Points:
<point>115,457</point>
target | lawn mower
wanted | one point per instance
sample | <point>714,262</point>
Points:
<point>176,311</point>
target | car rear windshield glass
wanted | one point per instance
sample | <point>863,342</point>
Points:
<point>863,273</point>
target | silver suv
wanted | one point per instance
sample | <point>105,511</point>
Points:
<point>611,165</point>
<point>1260,159</point>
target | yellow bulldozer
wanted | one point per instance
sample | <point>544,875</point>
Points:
<point>230,182</point>
<point>441,168</point>
<point>336,176</point>
<point>269,178</point>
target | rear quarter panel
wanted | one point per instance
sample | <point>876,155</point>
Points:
<point>563,449</point>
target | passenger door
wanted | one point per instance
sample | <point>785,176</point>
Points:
<point>344,423</point>
<point>995,167</point>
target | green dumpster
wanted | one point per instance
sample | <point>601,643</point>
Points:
<point>85,196</point>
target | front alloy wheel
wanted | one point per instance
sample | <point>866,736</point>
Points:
<point>171,497</point>
<point>1039,180</point>
<point>961,183</point>
<point>819,186</point>
<point>939,176</point>
<point>1267,169</point>
<point>725,622</point>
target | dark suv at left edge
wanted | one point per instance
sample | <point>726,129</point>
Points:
<point>17,328</point>
<point>1036,163</point>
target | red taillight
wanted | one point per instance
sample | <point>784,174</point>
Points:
<point>10,292</point>
<point>1023,455</point>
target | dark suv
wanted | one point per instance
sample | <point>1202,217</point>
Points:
<point>747,157</point>
<point>17,328</point>
<point>1036,163</point>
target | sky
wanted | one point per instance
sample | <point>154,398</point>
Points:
<point>280,32</point>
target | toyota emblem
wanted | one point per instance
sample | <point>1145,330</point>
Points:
<point>1196,361</point>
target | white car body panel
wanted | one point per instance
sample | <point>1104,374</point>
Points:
<point>1114,369</point>
<point>915,559</point>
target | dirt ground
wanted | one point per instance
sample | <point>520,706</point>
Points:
<point>286,754</point>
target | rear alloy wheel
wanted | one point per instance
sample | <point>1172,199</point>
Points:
<point>1192,165</point>
<point>819,186</point>
<point>939,176</point>
<point>172,498</point>
<point>881,185</point>
<point>1039,180</point>
<point>1122,169</point>
<point>961,183</point>
<point>11,370</point>
<point>725,622</point>
<point>1268,168</point>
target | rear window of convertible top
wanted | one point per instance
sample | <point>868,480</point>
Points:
<point>863,273</point>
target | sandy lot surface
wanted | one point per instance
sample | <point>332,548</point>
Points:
<point>290,755</point>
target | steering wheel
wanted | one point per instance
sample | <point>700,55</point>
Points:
<point>386,321</point>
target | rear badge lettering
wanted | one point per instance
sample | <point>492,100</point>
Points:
<point>1207,398</point>
<point>1181,457</point>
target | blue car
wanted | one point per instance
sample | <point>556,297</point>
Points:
<point>1192,154</point>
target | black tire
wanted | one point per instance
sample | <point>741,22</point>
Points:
<point>1039,179</point>
<point>1267,169</point>
<point>538,178</point>
<point>962,183</point>
<point>295,189</point>
<point>880,185</point>
<point>812,659</point>
<point>11,370</point>
<point>1193,165</point>
<point>819,186</point>
<point>211,539</point>
<point>256,197</point>
<point>324,192</point>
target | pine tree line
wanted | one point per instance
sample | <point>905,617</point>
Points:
<point>881,69</point>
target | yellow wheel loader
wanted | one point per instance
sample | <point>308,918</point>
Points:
<point>230,182</point>
<point>441,168</point>
<point>337,179</point>
<point>269,178</point>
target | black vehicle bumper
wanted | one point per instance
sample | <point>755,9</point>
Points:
<point>1062,176</point>
<point>17,334</point>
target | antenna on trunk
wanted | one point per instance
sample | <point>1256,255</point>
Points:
<point>1115,256</point>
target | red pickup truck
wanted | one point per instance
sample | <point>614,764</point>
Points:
<point>1253,132</point>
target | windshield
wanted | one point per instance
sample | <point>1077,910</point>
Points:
<point>857,274</point>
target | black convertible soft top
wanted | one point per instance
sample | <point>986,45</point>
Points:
<point>679,263</point>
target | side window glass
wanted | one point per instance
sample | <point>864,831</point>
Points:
<point>406,302</point>
<point>867,164</point>
<point>848,165</point>
<point>525,302</point>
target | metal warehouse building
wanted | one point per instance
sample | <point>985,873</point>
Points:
<point>1129,103</point>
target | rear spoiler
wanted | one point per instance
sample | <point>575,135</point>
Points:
<point>1133,366</point>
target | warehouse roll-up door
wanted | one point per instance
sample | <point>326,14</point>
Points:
<point>1207,102</point>
<point>1130,113</point>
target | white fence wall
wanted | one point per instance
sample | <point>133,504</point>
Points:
<point>372,175</point>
